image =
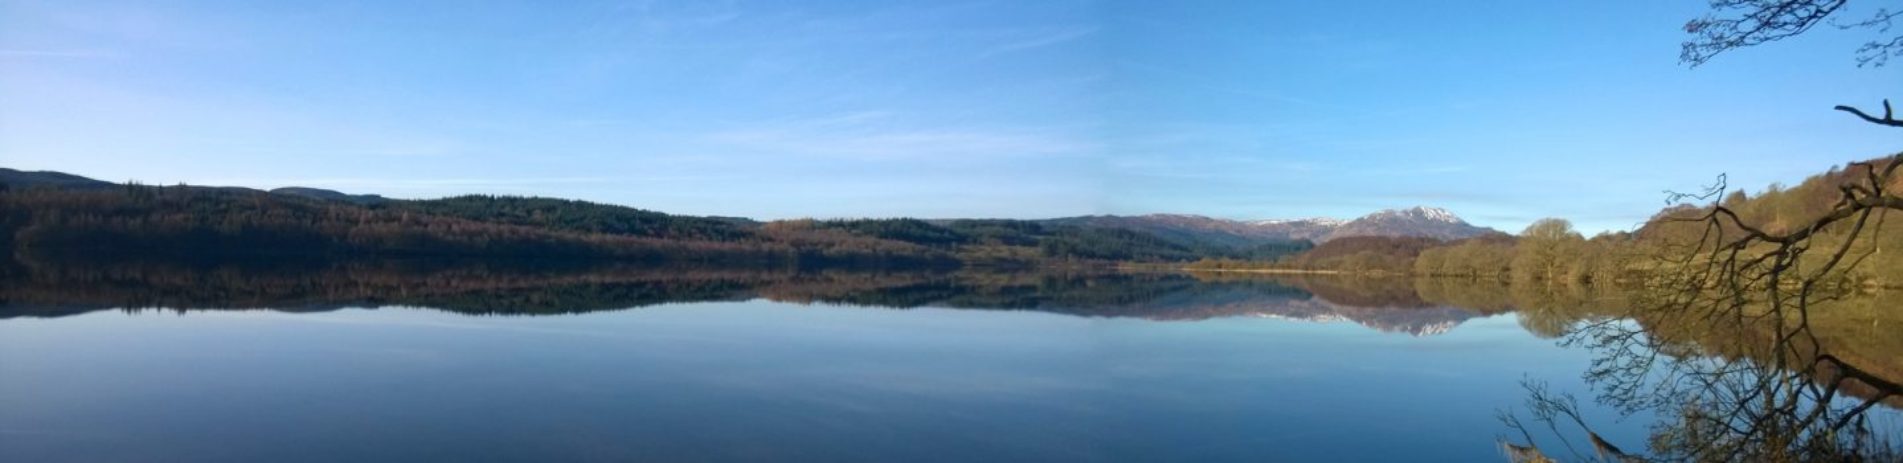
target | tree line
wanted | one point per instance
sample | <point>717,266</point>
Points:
<point>1551,251</point>
<point>218,223</point>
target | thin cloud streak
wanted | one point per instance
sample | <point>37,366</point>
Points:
<point>905,144</point>
<point>17,53</point>
<point>1059,37</point>
<point>881,135</point>
<point>411,184</point>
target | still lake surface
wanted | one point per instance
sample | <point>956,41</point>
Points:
<point>449,365</point>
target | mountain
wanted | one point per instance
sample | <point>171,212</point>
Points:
<point>72,216</point>
<point>1425,222</point>
<point>19,179</point>
<point>31,179</point>
<point>1187,229</point>
<point>1428,222</point>
<point>1312,229</point>
<point>329,195</point>
<point>1166,237</point>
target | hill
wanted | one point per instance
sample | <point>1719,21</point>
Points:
<point>301,220</point>
<point>18,179</point>
<point>1186,229</point>
<point>50,213</point>
<point>1418,222</point>
<point>329,195</point>
<point>1194,230</point>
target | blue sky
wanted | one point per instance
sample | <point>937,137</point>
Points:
<point>1503,112</point>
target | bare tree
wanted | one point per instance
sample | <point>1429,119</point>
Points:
<point>1776,394</point>
<point>1734,24</point>
<point>1719,342</point>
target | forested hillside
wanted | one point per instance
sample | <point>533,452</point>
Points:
<point>1551,251</point>
<point>134,220</point>
<point>49,213</point>
<point>575,216</point>
<point>55,214</point>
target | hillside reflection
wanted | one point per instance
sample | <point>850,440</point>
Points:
<point>487,288</point>
<point>1731,384</point>
<point>1747,382</point>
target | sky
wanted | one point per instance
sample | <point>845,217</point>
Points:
<point>1503,112</point>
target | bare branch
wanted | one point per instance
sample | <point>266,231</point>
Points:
<point>1756,22</point>
<point>1734,24</point>
<point>1889,117</point>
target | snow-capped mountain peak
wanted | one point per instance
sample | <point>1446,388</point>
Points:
<point>1421,221</point>
<point>1317,221</point>
<point>1420,212</point>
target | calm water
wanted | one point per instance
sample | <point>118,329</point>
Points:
<point>748,368</point>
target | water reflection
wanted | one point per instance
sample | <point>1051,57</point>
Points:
<point>1706,388</point>
<point>551,288</point>
<point>1750,382</point>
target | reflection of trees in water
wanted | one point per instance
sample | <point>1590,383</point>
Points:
<point>1735,341</point>
<point>556,287</point>
<point>1746,388</point>
<point>1681,365</point>
<point>1746,344</point>
<point>535,287</point>
<point>523,287</point>
<point>547,287</point>
<point>1728,359</point>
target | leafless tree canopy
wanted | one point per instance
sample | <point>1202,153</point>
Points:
<point>1777,395</point>
<point>1773,392</point>
<point>1735,24</point>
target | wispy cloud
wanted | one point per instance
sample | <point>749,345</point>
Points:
<point>1208,84</point>
<point>417,152</point>
<point>603,122</point>
<point>425,148</point>
<point>380,184</point>
<point>843,119</point>
<point>1419,170</point>
<point>22,53</point>
<point>1055,37</point>
<point>906,144</point>
<point>1215,167</point>
<point>876,135</point>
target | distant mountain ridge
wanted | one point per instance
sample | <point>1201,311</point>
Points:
<point>14,178</point>
<point>1419,221</point>
<point>329,195</point>
<point>29,179</point>
<point>1194,231</point>
<point>1184,228</point>
<point>53,214</point>
<point>1429,222</point>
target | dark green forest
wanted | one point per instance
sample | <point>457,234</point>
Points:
<point>131,220</point>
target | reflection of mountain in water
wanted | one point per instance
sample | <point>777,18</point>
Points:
<point>1422,321</point>
<point>1388,305</point>
<point>1858,330</point>
<point>545,288</point>
<point>1236,299</point>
